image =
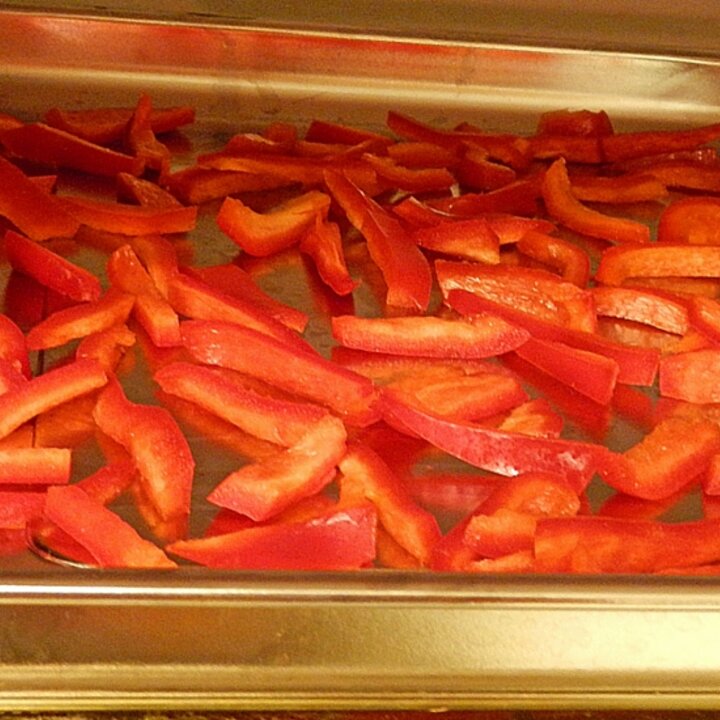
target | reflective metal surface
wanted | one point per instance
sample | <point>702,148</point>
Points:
<point>74,639</point>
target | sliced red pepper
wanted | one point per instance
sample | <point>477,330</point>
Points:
<point>630,188</point>
<point>342,539</point>
<point>49,146</point>
<point>478,336</point>
<point>279,421</point>
<point>410,179</point>
<point>519,198</point>
<point>263,489</point>
<point>231,279</point>
<point>13,346</point>
<point>477,173</point>
<point>20,507</point>
<point>590,373</point>
<point>46,391</point>
<point>660,464</point>
<point>262,234</point>
<point>690,376</point>
<point>620,263</point>
<point>35,466</point>
<point>686,174</point>
<point>196,299</point>
<point>107,125</point>
<point>413,528</point>
<point>564,207</point>
<point>637,366</point>
<point>506,453</point>
<point>323,243</point>
<point>472,239</point>
<point>694,220</point>
<point>50,269</point>
<point>660,310</point>
<point>306,374</point>
<point>405,269</point>
<point>111,541</point>
<point>160,258</point>
<point>577,123</point>
<point>421,154</point>
<point>584,149</point>
<point>325,131</point>
<point>106,346</point>
<point>704,317</point>
<point>567,258</point>
<point>31,208</point>
<point>140,137</point>
<point>529,291</point>
<point>587,544</point>
<point>125,219</point>
<point>80,320</point>
<point>161,455</point>
<point>144,192</point>
<point>629,507</point>
<point>618,147</point>
<point>534,417</point>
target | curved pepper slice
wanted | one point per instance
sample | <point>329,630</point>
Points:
<point>478,336</point>
<point>506,453</point>
<point>160,453</point>
<point>569,259</point>
<point>341,539</point>
<point>473,239</point>
<point>50,269</point>
<point>694,220</point>
<point>263,489</point>
<point>30,208</point>
<point>564,207</point>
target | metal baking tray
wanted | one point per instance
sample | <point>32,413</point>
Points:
<point>194,639</point>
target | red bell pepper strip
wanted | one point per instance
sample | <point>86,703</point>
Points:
<point>530,291</point>
<point>32,209</point>
<point>323,243</point>
<point>410,179</point>
<point>576,123</point>
<point>263,234</point>
<point>279,421</point>
<point>417,154</point>
<point>159,257</point>
<point>35,466</point>
<point>107,125</point>
<point>112,541</point>
<point>479,336</point>
<point>519,198</point>
<point>619,147</point>
<point>140,138</point>
<point>161,455</point>
<point>613,189</point>
<point>193,298</point>
<point>505,522</point>
<point>506,453</point>
<point>144,192</point>
<point>472,239</point>
<point>704,317</point>
<point>587,544</point>
<point>660,464</point>
<point>197,185</point>
<point>564,207</point>
<point>405,269</point>
<point>49,146</point>
<point>50,269</point>
<point>125,219</point>
<point>661,310</point>
<point>583,149</point>
<point>13,346</point>
<point>694,220</point>
<point>690,376</point>
<point>534,417</point>
<point>325,131</point>
<point>263,489</point>
<point>590,373</point>
<point>476,172</point>
<point>306,374</point>
<point>20,507</point>
<point>47,391</point>
<point>342,539</point>
<point>106,346</point>
<point>620,263</point>
<point>637,366</point>
<point>78,321</point>
<point>563,256</point>
<point>416,530</point>
<point>231,279</point>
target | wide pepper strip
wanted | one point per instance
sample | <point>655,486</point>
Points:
<point>160,453</point>
<point>506,453</point>
<point>691,376</point>
<point>50,269</point>
<point>637,366</point>
<point>405,269</point>
<point>694,220</point>
<point>263,489</point>
<point>32,209</point>
<point>478,336</point>
<point>339,539</point>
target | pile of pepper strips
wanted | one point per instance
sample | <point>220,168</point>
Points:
<point>578,270</point>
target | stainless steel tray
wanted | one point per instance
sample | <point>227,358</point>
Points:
<point>73,640</point>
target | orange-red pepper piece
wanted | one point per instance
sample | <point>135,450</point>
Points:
<point>694,220</point>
